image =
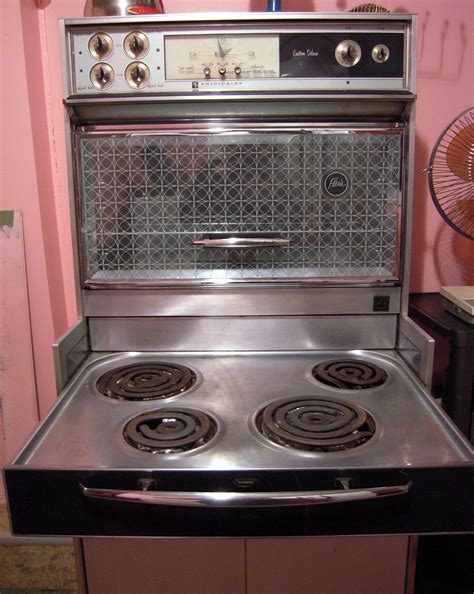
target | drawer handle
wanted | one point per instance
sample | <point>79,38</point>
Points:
<point>225,499</point>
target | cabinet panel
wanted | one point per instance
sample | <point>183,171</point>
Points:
<point>164,566</point>
<point>349,565</point>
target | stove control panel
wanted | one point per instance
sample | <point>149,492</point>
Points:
<point>146,58</point>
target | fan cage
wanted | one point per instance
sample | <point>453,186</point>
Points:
<point>451,174</point>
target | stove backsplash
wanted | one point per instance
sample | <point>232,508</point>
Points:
<point>334,195</point>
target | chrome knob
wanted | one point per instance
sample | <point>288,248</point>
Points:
<point>207,72</point>
<point>136,45</point>
<point>380,53</point>
<point>101,46</point>
<point>238,71</point>
<point>222,71</point>
<point>102,76</point>
<point>137,75</point>
<point>348,53</point>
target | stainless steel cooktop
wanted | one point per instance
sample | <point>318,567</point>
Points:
<point>86,430</point>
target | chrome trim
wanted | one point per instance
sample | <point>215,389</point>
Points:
<point>224,499</point>
<point>407,212</point>
<point>416,347</point>
<point>219,128</point>
<point>235,108</point>
<point>230,17</point>
<point>296,282</point>
<point>240,242</point>
<point>213,129</point>
<point>411,564</point>
<point>292,96</point>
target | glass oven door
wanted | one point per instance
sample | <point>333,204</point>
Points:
<point>284,204</point>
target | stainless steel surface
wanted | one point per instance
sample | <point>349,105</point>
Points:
<point>232,301</point>
<point>273,333</point>
<point>407,218</point>
<point>114,7</point>
<point>85,429</point>
<point>227,499</point>
<point>417,348</point>
<point>240,242</point>
<point>382,108</point>
<point>69,352</point>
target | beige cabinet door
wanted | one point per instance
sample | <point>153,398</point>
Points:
<point>164,566</point>
<point>348,565</point>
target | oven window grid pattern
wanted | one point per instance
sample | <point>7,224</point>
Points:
<point>145,198</point>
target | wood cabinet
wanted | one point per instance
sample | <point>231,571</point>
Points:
<point>349,565</point>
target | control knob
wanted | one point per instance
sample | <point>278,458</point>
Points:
<point>102,76</point>
<point>222,71</point>
<point>136,44</point>
<point>101,46</point>
<point>137,75</point>
<point>380,53</point>
<point>348,53</point>
<point>207,72</point>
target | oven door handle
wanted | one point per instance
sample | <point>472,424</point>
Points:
<point>241,242</point>
<point>226,499</point>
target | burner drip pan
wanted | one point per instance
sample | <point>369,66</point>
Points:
<point>146,381</point>
<point>316,424</point>
<point>350,374</point>
<point>168,431</point>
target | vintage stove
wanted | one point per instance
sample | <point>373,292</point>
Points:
<point>244,365</point>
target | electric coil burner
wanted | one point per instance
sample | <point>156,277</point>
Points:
<point>350,375</point>
<point>316,424</point>
<point>146,381</point>
<point>170,431</point>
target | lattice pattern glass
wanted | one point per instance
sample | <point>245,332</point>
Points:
<point>145,198</point>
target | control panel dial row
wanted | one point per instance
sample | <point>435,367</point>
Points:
<point>348,53</point>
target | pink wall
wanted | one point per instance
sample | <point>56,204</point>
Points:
<point>33,150</point>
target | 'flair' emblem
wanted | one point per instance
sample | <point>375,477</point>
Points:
<point>335,183</point>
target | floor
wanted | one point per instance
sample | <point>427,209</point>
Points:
<point>34,568</point>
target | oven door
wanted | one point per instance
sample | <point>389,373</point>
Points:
<point>240,204</point>
<point>291,503</point>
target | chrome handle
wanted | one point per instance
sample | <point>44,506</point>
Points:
<point>224,499</point>
<point>241,242</point>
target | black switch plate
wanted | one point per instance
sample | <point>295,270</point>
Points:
<point>381,303</point>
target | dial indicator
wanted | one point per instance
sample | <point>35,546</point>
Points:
<point>194,57</point>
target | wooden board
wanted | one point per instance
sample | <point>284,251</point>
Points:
<point>17,378</point>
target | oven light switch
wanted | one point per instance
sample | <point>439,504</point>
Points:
<point>381,303</point>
